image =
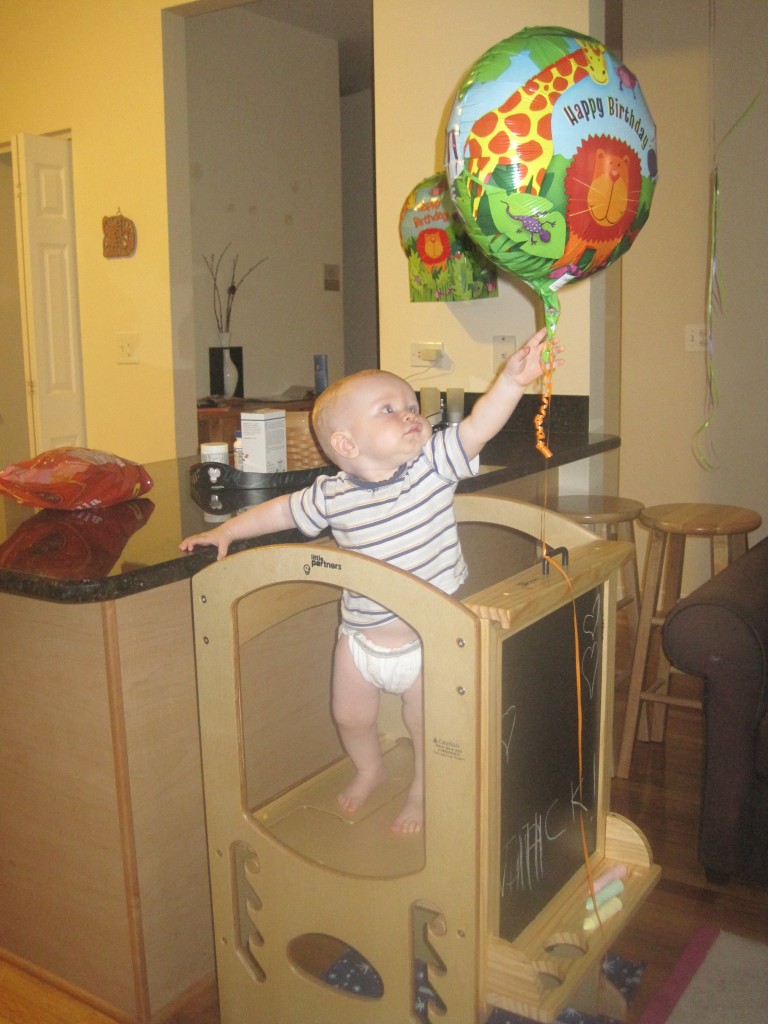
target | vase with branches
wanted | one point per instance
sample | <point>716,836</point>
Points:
<point>222,307</point>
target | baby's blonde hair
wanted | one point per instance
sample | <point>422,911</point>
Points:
<point>327,415</point>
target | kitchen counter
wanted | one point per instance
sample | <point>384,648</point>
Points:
<point>104,554</point>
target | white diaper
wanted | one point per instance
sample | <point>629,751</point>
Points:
<point>393,669</point>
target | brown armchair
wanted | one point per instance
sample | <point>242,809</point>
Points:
<point>720,632</point>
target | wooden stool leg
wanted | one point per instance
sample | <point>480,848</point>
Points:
<point>673,578</point>
<point>719,554</point>
<point>651,584</point>
<point>726,549</point>
<point>610,532</point>
<point>631,583</point>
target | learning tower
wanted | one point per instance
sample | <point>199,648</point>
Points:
<point>489,902</point>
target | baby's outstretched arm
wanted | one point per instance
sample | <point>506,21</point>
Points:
<point>492,410</point>
<point>271,517</point>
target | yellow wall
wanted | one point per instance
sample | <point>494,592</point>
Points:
<point>435,46</point>
<point>96,70</point>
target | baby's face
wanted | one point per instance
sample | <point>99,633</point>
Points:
<point>384,421</point>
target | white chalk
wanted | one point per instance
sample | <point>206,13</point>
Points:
<point>614,888</point>
<point>592,922</point>
<point>617,871</point>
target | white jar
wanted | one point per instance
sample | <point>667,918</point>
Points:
<point>213,451</point>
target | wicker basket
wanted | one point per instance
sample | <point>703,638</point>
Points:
<point>301,448</point>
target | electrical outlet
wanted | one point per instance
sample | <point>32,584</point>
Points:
<point>695,337</point>
<point>427,353</point>
<point>503,347</point>
<point>127,348</point>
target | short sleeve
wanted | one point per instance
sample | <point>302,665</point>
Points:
<point>308,508</point>
<point>445,452</point>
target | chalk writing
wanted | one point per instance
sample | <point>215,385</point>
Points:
<point>523,855</point>
<point>543,795</point>
<point>590,652</point>
<point>507,728</point>
<point>523,863</point>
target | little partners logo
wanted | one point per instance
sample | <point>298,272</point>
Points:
<point>318,562</point>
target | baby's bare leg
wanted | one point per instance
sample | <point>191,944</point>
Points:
<point>355,710</point>
<point>411,818</point>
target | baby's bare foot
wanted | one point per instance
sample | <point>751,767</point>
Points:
<point>360,788</point>
<point>411,818</point>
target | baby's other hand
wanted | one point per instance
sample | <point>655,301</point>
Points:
<point>219,538</point>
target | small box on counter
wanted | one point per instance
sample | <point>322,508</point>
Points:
<point>263,434</point>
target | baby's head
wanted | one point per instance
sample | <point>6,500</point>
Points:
<point>343,413</point>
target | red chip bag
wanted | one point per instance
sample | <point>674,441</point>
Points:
<point>74,478</point>
<point>74,545</point>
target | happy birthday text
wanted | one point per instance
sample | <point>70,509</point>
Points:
<point>597,107</point>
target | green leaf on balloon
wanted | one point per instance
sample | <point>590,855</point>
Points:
<point>553,185</point>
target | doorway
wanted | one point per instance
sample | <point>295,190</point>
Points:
<point>281,315</point>
<point>43,405</point>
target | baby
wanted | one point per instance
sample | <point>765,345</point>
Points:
<point>391,500</point>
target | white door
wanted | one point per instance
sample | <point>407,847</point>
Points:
<point>45,227</point>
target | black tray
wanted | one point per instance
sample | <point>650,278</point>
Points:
<point>220,476</point>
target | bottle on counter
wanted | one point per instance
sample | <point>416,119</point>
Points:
<point>237,451</point>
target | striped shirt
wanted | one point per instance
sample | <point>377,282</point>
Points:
<point>407,520</point>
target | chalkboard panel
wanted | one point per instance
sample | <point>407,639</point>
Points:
<point>540,832</point>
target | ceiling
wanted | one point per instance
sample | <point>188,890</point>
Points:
<point>349,22</point>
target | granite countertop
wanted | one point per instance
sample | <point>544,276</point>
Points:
<point>103,554</point>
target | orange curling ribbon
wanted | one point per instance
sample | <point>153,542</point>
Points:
<point>580,733</point>
<point>541,442</point>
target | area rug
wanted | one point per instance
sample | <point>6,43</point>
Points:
<point>720,977</point>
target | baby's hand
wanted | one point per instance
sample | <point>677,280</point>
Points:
<point>219,538</point>
<point>528,363</point>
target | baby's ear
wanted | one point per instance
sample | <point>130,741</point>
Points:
<point>343,444</point>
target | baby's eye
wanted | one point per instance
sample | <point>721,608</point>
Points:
<point>387,408</point>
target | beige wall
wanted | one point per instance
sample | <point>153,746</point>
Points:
<point>669,47</point>
<point>265,168</point>
<point>663,278</point>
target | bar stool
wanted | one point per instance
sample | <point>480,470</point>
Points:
<point>613,518</point>
<point>727,527</point>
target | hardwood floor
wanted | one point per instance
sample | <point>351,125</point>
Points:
<point>661,797</point>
